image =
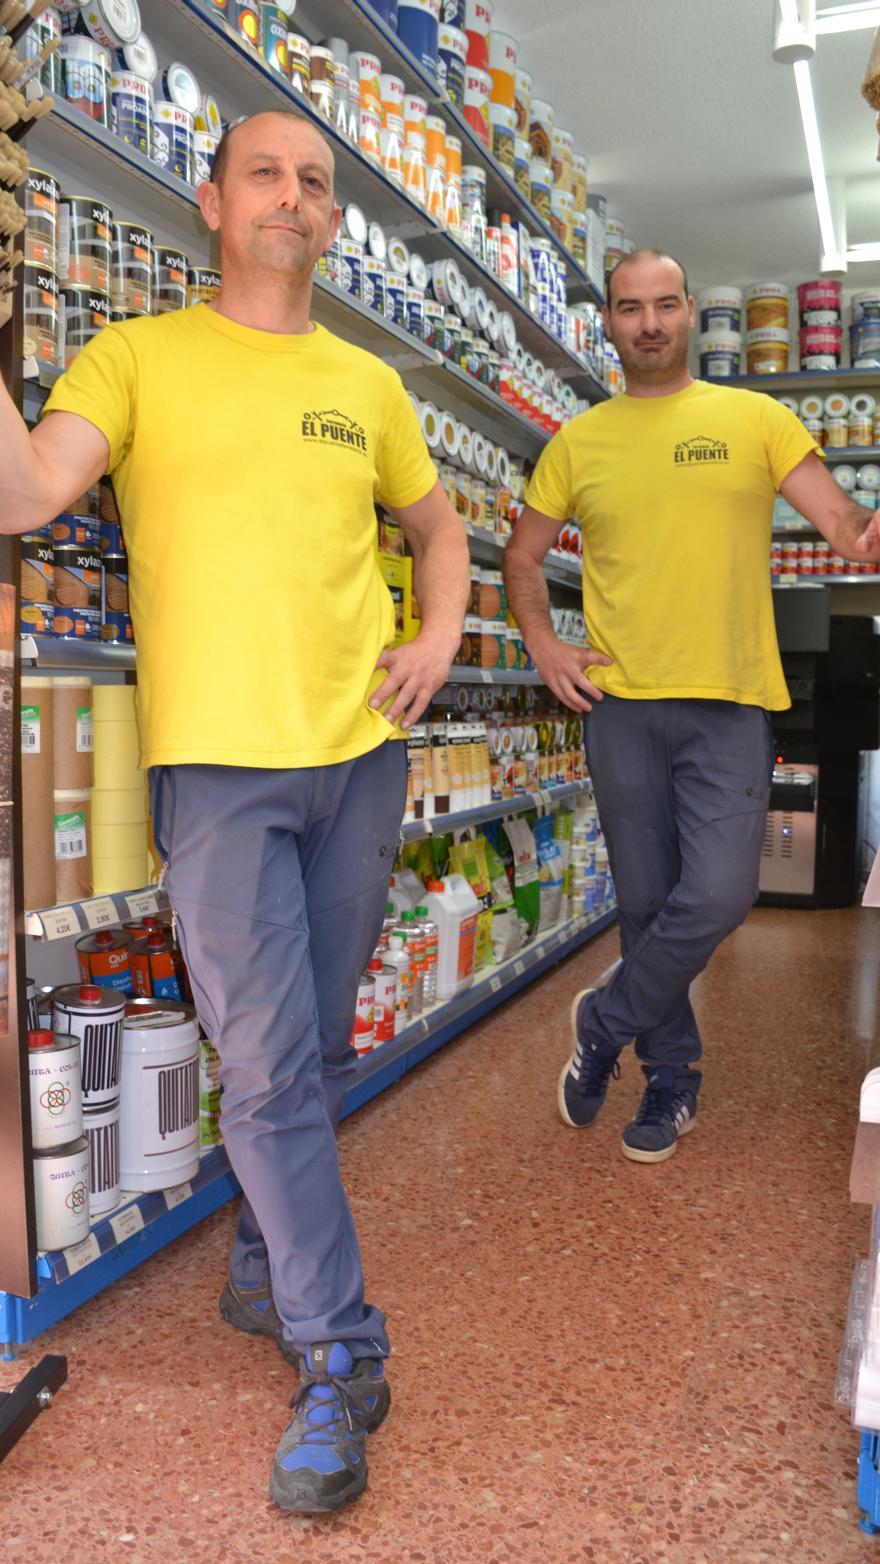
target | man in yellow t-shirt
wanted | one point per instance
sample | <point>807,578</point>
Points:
<point>673,484</point>
<point>247,448</point>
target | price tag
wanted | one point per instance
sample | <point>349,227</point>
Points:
<point>127,1223</point>
<point>495,984</point>
<point>518,968</point>
<point>59,922</point>
<point>486,676</point>
<point>143,905</point>
<point>177,1195</point>
<point>78,1256</point>
<point>100,912</point>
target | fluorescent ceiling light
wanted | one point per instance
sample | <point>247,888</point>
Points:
<point>848,18</point>
<point>804,83</point>
<point>864,252</point>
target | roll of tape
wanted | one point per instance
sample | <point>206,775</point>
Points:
<point>812,406</point>
<point>481,448</point>
<point>414,403</point>
<point>465,446</point>
<point>845,476</point>
<point>492,464</point>
<point>868,477</point>
<point>863,405</point>
<point>398,257</point>
<point>481,310</point>
<point>493,323</point>
<point>450,434</point>
<point>429,418</point>
<point>790,402</point>
<point>837,405</point>
<point>503,467</point>
<point>508,331</point>
<point>463,301</point>
<point>519,358</point>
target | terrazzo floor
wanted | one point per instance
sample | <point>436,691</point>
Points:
<point>593,1360</point>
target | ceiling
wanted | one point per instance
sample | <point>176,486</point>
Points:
<point>694,132</point>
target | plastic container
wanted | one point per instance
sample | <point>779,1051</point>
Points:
<point>721,311</point>
<point>720,354</point>
<point>767,350</point>
<point>432,948</point>
<point>452,905</point>
<point>767,306</point>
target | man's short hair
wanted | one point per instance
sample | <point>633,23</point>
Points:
<point>646,255</point>
<point>221,156</point>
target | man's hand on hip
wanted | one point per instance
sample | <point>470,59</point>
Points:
<point>563,670</point>
<point>414,672</point>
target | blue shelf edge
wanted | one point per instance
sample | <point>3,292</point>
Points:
<point>868,1482</point>
<point>60,1292</point>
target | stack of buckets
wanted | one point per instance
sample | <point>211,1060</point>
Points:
<point>767,334</point>
<point>821,324</point>
<point>721,334</point>
<point>864,332</point>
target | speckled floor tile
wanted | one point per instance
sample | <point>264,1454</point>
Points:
<point>593,1361</point>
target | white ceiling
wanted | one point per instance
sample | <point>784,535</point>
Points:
<point>694,132</point>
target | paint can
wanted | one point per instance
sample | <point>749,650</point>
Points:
<point>374,284</point>
<point>540,186</point>
<point>138,58</point>
<point>418,23</point>
<point>274,32</point>
<point>94,1016</point>
<point>173,139</point>
<point>819,302</point>
<point>477,26</point>
<point>157,967</point>
<point>384,1001</point>
<point>169,280</point>
<point>415,311</point>
<point>131,105</point>
<point>33,1010</point>
<point>85,312</point>
<point>85,232</point>
<point>721,311</point>
<point>351,267</point>
<point>503,56</point>
<point>246,18</point>
<point>37,593</point>
<point>42,197</point>
<point>45,29</point>
<point>131,277</point>
<point>541,129</point>
<point>415,174</point>
<point>720,354</point>
<point>477,91</point>
<point>767,350</point>
<point>55,1089</point>
<point>502,131</point>
<point>767,307</point>
<point>112,23</point>
<point>395,299</point>
<point>865,305</point>
<point>77,591</point>
<point>159,1123</point>
<point>299,63</point>
<point>204,148</point>
<point>362,1032</point>
<point>85,77</point>
<point>202,285</point>
<point>522,154</point>
<point>42,337</point>
<point>820,347</point>
<point>101,1129</point>
<point>61,1195</point>
<point>864,342</point>
<point>451,60</point>
<point>103,960</point>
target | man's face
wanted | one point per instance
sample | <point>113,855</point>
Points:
<point>275,207</point>
<point>650,319</point>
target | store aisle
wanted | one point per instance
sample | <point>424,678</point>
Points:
<point>594,1360</point>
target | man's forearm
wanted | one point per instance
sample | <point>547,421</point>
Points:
<point>849,523</point>
<point>527,594</point>
<point>22,498</point>
<point>442,582</point>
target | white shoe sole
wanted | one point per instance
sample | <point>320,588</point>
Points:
<point>560,1090</point>
<point>634,1154</point>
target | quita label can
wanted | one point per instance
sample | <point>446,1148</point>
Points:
<point>94,1015</point>
<point>101,1129</point>
<point>55,1089</point>
<point>157,967</point>
<point>61,1195</point>
<point>103,960</point>
<point>362,1035</point>
<point>159,1124</point>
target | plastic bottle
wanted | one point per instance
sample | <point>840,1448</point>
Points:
<point>416,946</point>
<point>432,940</point>
<point>397,956</point>
<point>452,905</point>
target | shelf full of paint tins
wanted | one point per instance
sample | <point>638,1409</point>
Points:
<point>488,547</point>
<point>851,453</point>
<point>543,799</point>
<point>481,393</point>
<point>96,912</point>
<point>386,1064</point>
<point>49,651</point>
<point>820,582</point>
<point>800,380</point>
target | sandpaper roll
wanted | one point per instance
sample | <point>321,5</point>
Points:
<point>37,792</point>
<point>73,845</point>
<point>73,733</point>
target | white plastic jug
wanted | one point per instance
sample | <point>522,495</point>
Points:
<point>453,906</point>
<point>406,890</point>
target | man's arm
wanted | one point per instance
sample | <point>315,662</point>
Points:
<point>852,531</point>
<point>442,581</point>
<point>43,469</point>
<point>561,667</point>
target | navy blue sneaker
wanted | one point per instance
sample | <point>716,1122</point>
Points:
<point>584,1079</point>
<point>321,1462</point>
<point>252,1310</point>
<point>665,1113</point>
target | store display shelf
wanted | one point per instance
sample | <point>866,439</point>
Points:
<point>130,1234</point>
<point>868,1483</point>
<point>800,380</point>
<point>364,29</point>
<point>854,454</point>
<point>543,799</point>
<point>96,912</point>
<point>118,1242</point>
<point>49,651</point>
<point>529,437</point>
<point>806,582</point>
<point>493,676</point>
<point>489,548</point>
<point>381,1069</point>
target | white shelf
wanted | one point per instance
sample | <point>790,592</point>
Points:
<point>493,676</point>
<point>543,798</point>
<point>96,912</point>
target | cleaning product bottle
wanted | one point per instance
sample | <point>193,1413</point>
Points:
<point>415,948</point>
<point>452,905</point>
<point>397,956</point>
<point>432,937</point>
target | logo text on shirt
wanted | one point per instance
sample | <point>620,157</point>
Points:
<point>701,452</point>
<point>334,428</point>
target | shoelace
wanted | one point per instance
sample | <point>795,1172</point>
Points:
<point>657,1105</point>
<point>341,1418</point>
<point>595,1071</point>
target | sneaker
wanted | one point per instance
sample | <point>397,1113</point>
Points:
<point>584,1079</point>
<point>321,1462</point>
<point>665,1113</point>
<point>251,1309</point>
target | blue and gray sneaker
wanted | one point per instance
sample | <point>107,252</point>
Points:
<point>252,1310</point>
<point>584,1079</point>
<point>665,1113</point>
<point>321,1462</point>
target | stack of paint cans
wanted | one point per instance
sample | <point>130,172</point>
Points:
<point>93,1016</point>
<point>61,1150</point>
<point>452,51</point>
<point>721,335</point>
<point>477,77</point>
<point>42,198</point>
<point>85,232</point>
<point>418,23</point>
<point>767,333</point>
<point>821,324</point>
<point>159,1107</point>
<point>864,331</point>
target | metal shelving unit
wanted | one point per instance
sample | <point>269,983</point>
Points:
<point>543,799</point>
<point>801,380</point>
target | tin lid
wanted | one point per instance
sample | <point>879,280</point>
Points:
<point>154,1013</point>
<point>156,941</point>
<point>139,58</point>
<point>86,996</point>
<point>41,1039</point>
<point>118,21</point>
<point>355,223</point>
<point>372,966</point>
<point>181,87</point>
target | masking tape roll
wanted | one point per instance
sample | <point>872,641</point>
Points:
<point>450,434</point>
<point>481,446</point>
<point>120,873</point>
<point>118,806</point>
<point>863,405</point>
<point>503,467</point>
<point>837,405</point>
<point>790,402</point>
<point>465,446</point>
<point>845,476</point>
<point>414,403</point>
<point>429,418</point>
<point>120,841</point>
<point>491,463</point>
<point>113,702</point>
<point>812,406</point>
<point>117,773</point>
<point>116,738</point>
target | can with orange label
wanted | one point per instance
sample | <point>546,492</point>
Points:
<point>103,960</point>
<point>157,967</point>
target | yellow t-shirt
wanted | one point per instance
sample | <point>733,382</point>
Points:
<point>246,466</point>
<point>675,497</point>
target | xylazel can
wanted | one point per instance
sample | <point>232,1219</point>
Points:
<point>85,231</point>
<point>56,1090</point>
<point>61,1195</point>
<point>86,311</point>
<point>77,591</point>
<point>131,276</point>
<point>41,311</point>
<point>42,197</point>
<point>103,960</point>
<point>94,1015</point>
<point>169,280</point>
<point>159,1124</point>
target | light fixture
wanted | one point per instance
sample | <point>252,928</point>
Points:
<point>848,18</point>
<point>794,35</point>
<point>863,252</point>
<point>831,257</point>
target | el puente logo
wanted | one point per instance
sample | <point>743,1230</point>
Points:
<point>334,428</point>
<point>701,452</point>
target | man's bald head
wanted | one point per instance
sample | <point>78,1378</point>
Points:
<point>221,156</point>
